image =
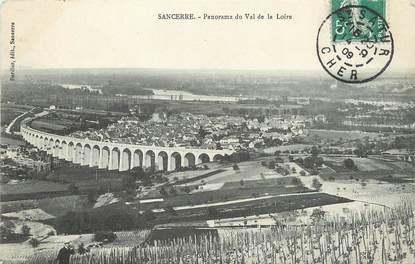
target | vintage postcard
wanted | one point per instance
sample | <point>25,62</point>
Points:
<point>195,131</point>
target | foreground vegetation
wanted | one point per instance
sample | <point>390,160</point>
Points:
<point>372,236</point>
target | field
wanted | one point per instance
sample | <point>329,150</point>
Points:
<point>367,164</point>
<point>10,140</point>
<point>86,178</point>
<point>10,112</point>
<point>369,168</point>
<point>265,205</point>
<point>248,170</point>
<point>51,125</point>
<point>130,238</point>
<point>293,147</point>
<point>334,135</point>
<point>55,206</point>
<point>229,191</point>
<point>32,189</point>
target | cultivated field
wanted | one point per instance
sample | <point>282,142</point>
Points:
<point>337,134</point>
<point>52,205</point>
<point>32,189</point>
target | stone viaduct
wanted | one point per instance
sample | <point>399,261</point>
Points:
<point>117,156</point>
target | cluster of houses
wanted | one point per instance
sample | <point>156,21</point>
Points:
<point>198,131</point>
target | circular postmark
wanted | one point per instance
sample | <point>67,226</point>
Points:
<point>354,44</point>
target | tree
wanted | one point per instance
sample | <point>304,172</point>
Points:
<point>171,210</point>
<point>138,173</point>
<point>128,182</point>
<point>241,182</point>
<point>319,161</point>
<point>172,190</point>
<point>361,151</point>
<point>5,232</point>
<point>202,133</point>
<point>314,151</point>
<point>302,173</point>
<point>317,215</point>
<point>299,161</point>
<point>235,167</point>
<point>271,165</point>
<point>279,160</point>
<point>316,184</point>
<point>186,189</point>
<point>308,162</point>
<point>163,192</point>
<point>349,163</point>
<point>296,181</point>
<point>92,196</point>
<point>25,230</point>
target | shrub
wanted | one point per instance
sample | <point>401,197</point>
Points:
<point>149,215</point>
<point>318,215</point>
<point>186,189</point>
<point>163,192</point>
<point>81,249</point>
<point>279,160</point>
<point>212,211</point>
<point>316,184</point>
<point>296,181</point>
<point>25,230</point>
<point>299,161</point>
<point>314,172</point>
<point>173,191</point>
<point>73,188</point>
<point>92,196</point>
<point>4,179</point>
<point>5,231</point>
<point>34,242</point>
<point>171,210</point>
<point>128,182</point>
<point>349,163</point>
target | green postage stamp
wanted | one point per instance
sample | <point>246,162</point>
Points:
<point>354,42</point>
<point>356,20</point>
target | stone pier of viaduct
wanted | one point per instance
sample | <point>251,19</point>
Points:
<point>117,156</point>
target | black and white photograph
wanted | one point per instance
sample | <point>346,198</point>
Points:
<point>217,132</point>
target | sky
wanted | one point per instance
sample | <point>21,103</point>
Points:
<point>127,34</point>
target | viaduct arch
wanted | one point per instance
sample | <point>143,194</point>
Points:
<point>118,156</point>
